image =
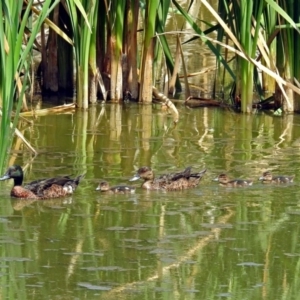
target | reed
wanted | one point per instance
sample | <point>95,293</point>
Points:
<point>131,49</point>
<point>116,23</point>
<point>81,15</point>
<point>146,75</point>
<point>105,32</point>
<point>287,59</point>
<point>243,26</point>
<point>15,53</point>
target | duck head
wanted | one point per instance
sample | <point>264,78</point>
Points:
<point>14,172</point>
<point>103,186</point>
<point>145,173</point>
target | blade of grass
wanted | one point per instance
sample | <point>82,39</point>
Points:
<point>14,54</point>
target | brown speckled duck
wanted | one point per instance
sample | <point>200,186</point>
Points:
<point>117,189</point>
<point>42,188</point>
<point>169,182</point>
<point>267,177</point>
<point>224,180</point>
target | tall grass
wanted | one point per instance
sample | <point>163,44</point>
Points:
<point>146,75</point>
<point>288,51</point>
<point>116,24</point>
<point>15,60</point>
<point>81,14</point>
<point>131,49</point>
<point>244,28</point>
<point>248,10</point>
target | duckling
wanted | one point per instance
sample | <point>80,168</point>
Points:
<point>118,189</point>
<point>224,180</point>
<point>267,177</point>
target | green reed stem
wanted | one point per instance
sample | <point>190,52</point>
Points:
<point>14,55</point>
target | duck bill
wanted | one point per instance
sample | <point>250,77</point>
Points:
<point>4,177</point>
<point>135,177</point>
<point>260,178</point>
<point>216,179</point>
<point>98,188</point>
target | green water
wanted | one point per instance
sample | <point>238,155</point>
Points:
<point>205,243</point>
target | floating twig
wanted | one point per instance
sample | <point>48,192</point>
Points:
<point>46,111</point>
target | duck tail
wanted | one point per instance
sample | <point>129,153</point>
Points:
<point>199,174</point>
<point>184,174</point>
<point>79,178</point>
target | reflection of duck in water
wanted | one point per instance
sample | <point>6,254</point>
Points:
<point>224,180</point>
<point>118,189</point>
<point>42,188</point>
<point>267,177</point>
<point>169,182</point>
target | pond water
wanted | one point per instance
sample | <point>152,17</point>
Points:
<point>209,242</point>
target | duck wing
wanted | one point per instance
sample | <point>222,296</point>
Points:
<point>59,182</point>
<point>167,178</point>
<point>184,174</point>
<point>41,184</point>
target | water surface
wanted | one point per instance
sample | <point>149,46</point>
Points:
<point>204,243</point>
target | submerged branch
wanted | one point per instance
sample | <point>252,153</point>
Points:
<point>198,102</point>
<point>165,100</point>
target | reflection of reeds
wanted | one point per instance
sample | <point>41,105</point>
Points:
<point>203,242</point>
<point>20,136</point>
<point>67,108</point>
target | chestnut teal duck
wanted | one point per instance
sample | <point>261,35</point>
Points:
<point>168,182</point>
<point>55,187</point>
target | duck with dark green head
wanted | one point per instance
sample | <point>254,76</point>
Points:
<point>55,187</point>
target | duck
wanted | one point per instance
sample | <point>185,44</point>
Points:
<point>117,189</point>
<point>224,180</point>
<point>267,177</point>
<point>45,188</point>
<point>168,182</point>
